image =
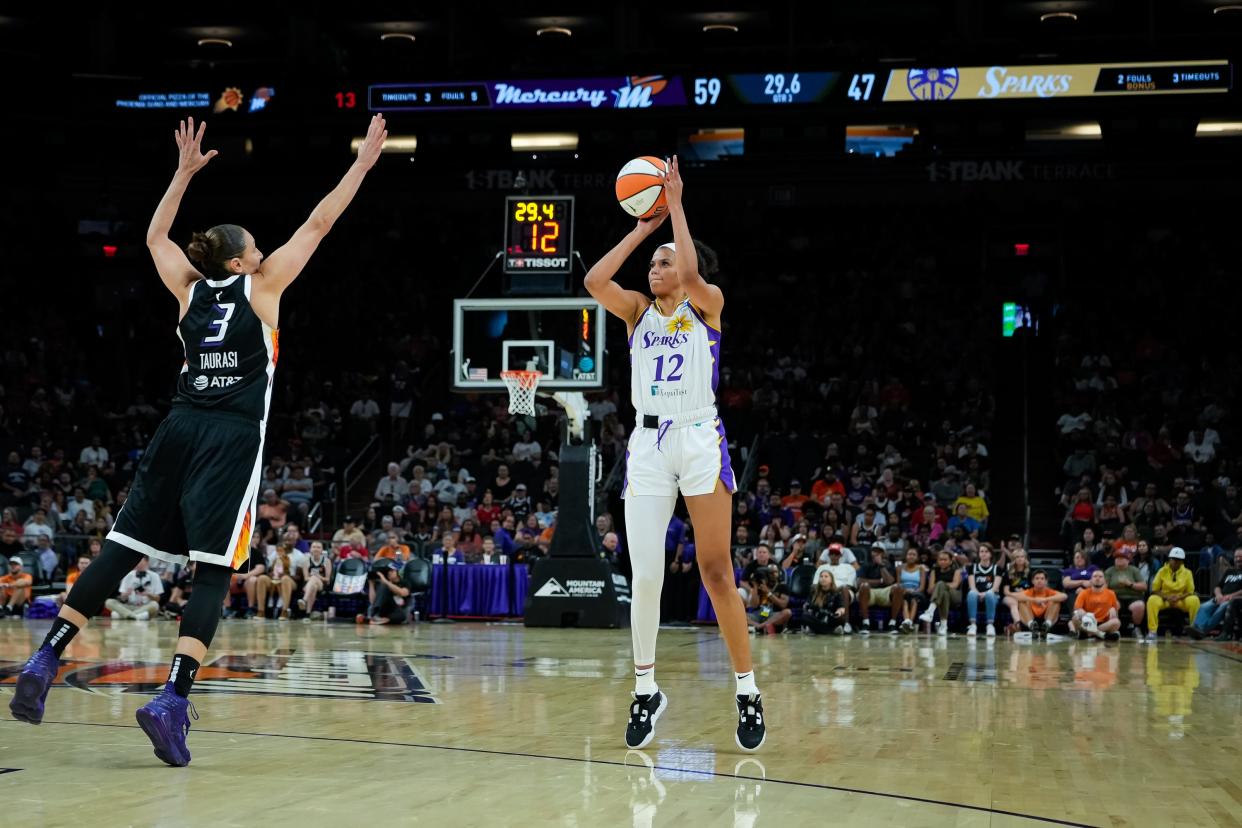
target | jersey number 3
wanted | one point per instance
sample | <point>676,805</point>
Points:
<point>674,368</point>
<point>220,325</point>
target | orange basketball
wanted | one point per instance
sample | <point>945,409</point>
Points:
<point>640,187</point>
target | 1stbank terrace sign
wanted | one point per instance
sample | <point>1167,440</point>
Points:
<point>1018,170</point>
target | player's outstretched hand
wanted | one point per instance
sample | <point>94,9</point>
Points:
<point>673,185</point>
<point>371,147</point>
<point>646,227</point>
<point>190,147</point>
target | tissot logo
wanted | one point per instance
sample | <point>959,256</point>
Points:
<point>332,674</point>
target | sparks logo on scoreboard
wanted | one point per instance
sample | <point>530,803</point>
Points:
<point>1076,80</point>
<point>935,84</point>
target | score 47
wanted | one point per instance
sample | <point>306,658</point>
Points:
<point>861,86</point>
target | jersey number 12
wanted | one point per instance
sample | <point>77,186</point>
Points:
<point>674,368</point>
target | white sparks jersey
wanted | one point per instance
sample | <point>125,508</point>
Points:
<point>674,362</point>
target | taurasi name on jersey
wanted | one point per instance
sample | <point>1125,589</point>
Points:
<point>217,359</point>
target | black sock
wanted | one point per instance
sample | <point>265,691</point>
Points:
<point>182,674</point>
<point>59,636</point>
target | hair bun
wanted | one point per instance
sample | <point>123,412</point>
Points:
<point>199,248</point>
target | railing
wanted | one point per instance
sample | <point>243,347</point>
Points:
<point>348,479</point>
<point>611,483</point>
<point>314,518</point>
<point>752,466</point>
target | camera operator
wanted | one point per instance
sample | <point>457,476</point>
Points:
<point>389,604</point>
<point>768,607</point>
<point>140,593</point>
<point>760,562</point>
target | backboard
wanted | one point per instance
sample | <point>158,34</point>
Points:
<point>561,337</point>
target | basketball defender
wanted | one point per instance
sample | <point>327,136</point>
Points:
<point>678,444</point>
<point>195,494</point>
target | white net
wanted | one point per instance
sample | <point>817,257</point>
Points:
<point>521,385</point>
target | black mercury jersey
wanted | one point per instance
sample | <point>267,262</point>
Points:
<point>230,354</point>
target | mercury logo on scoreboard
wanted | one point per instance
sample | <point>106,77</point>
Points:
<point>539,234</point>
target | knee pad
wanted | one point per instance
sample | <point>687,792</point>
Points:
<point>201,614</point>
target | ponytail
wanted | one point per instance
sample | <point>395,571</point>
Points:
<point>211,250</point>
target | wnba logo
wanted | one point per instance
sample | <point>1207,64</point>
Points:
<point>638,94</point>
<point>932,84</point>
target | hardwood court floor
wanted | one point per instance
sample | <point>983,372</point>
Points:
<point>473,724</point>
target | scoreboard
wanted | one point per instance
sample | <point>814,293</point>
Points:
<point>797,88</point>
<point>539,234</point>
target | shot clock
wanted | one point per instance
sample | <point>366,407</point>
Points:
<point>539,234</point>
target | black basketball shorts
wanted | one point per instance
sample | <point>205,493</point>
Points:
<point>195,495</point>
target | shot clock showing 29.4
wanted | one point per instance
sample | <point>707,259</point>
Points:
<point>539,234</point>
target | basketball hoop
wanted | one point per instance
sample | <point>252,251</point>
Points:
<point>521,385</point>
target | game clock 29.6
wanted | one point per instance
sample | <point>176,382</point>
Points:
<point>538,234</point>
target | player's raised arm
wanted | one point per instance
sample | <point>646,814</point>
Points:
<point>284,265</point>
<point>622,303</point>
<point>705,296</point>
<point>170,260</point>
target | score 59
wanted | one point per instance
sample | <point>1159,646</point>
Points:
<point>706,91</point>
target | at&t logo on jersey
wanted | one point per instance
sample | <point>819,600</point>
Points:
<point>202,383</point>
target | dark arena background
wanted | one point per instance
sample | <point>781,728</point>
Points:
<point>980,261</point>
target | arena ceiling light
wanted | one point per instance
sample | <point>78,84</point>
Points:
<point>1077,131</point>
<point>720,27</point>
<point>554,30</point>
<point>398,36</point>
<point>402,144</point>
<point>544,141</point>
<point>1058,15</point>
<point>1230,8</point>
<point>215,41</point>
<point>1211,128</point>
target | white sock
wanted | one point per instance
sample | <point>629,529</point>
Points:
<point>644,682</point>
<point>646,522</point>
<point>746,684</point>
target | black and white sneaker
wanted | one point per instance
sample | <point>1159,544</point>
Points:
<point>644,712</point>
<point>751,731</point>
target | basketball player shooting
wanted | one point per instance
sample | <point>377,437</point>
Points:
<point>195,493</point>
<point>678,444</point>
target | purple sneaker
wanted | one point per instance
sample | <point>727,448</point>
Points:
<point>166,721</point>
<point>33,683</point>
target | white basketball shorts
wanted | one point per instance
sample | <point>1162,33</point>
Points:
<point>688,458</point>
